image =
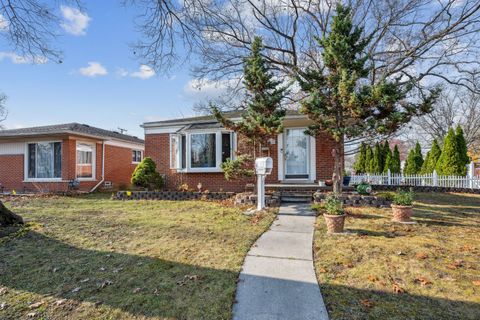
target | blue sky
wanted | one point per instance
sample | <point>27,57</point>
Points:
<point>99,82</point>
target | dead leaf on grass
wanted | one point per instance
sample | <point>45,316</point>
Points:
<point>476,282</point>
<point>76,289</point>
<point>85,280</point>
<point>423,281</point>
<point>397,289</point>
<point>455,265</point>
<point>35,305</point>
<point>105,283</point>
<point>3,306</point>
<point>31,315</point>
<point>467,248</point>
<point>421,255</point>
<point>3,291</point>
<point>372,278</point>
<point>60,302</point>
<point>322,270</point>
<point>137,290</point>
<point>367,303</point>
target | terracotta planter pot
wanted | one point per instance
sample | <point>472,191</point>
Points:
<point>334,223</point>
<point>402,213</point>
<point>329,183</point>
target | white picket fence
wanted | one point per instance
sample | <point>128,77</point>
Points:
<point>431,180</point>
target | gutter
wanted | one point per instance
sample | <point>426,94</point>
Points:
<point>103,169</point>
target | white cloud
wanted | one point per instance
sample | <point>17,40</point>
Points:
<point>94,69</point>
<point>144,72</point>
<point>75,22</point>
<point>197,89</point>
<point>3,23</point>
<point>16,59</point>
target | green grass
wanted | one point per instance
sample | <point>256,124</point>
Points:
<point>124,260</point>
<point>383,270</point>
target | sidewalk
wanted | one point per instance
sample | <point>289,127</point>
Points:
<point>278,279</point>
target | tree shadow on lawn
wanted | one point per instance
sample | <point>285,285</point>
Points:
<point>344,302</point>
<point>139,285</point>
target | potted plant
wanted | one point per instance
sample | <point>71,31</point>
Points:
<point>334,214</point>
<point>402,206</point>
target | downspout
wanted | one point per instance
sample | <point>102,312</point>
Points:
<point>103,168</point>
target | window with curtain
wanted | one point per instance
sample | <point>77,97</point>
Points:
<point>85,160</point>
<point>203,153</point>
<point>226,146</point>
<point>44,160</point>
<point>136,156</point>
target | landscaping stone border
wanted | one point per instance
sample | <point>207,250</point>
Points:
<point>172,195</point>
<point>355,200</point>
<point>250,199</point>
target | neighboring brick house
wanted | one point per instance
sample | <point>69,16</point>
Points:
<point>50,158</point>
<point>190,151</point>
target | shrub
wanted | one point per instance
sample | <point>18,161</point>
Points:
<point>403,198</point>
<point>146,175</point>
<point>387,195</point>
<point>333,205</point>
<point>239,168</point>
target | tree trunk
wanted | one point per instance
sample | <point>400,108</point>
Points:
<point>7,217</point>
<point>338,155</point>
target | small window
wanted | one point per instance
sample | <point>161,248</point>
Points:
<point>85,154</point>
<point>44,160</point>
<point>136,156</point>
<point>226,146</point>
<point>203,153</point>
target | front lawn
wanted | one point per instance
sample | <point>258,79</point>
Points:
<point>95,258</point>
<point>384,270</point>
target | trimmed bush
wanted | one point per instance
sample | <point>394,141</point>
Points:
<point>146,175</point>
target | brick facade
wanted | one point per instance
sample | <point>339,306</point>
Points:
<point>118,168</point>
<point>157,146</point>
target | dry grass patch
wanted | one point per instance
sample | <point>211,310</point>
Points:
<point>94,258</point>
<point>384,270</point>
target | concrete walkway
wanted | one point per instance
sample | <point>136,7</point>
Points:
<point>278,279</point>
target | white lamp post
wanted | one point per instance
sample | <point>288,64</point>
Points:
<point>263,167</point>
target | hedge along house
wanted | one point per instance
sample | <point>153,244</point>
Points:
<point>57,157</point>
<point>190,150</point>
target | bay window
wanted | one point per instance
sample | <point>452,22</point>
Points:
<point>85,160</point>
<point>200,151</point>
<point>44,160</point>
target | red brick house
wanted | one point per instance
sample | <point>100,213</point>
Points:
<point>190,150</point>
<point>55,158</point>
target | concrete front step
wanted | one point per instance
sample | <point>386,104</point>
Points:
<point>297,198</point>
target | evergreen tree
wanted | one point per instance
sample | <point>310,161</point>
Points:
<point>414,162</point>
<point>424,169</point>
<point>377,159</point>
<point>386,151</point>
<point>388,162</point>
<point>369,160</point>
<point>433,156</point>
<point>462,146</point>
<point>359,165</point>
<point>339,99</point>
<point>396,163</point>
<point>450,161</point>
<point>263,116</point>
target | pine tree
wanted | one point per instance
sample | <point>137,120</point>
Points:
<point>338,99</point>
<point>396,163</point>
<point>414,162</point>
<point>386,150</point>
<point>450,161</point>
<point>418,158</point>
<point>433,156</point>
<point>359,165</point>
<point>263,118</point>
<point>462,146</point>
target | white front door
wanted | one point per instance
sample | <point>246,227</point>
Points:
<point>297,154</point>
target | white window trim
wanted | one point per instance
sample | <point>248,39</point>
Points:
<point>26,158</point>
<point>218,150</point>
<point>94,160</point>
<point>141,156</point>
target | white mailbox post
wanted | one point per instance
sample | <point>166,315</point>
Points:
<point>263,166</point>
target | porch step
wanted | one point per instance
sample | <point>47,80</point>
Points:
<point>297,197</point>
